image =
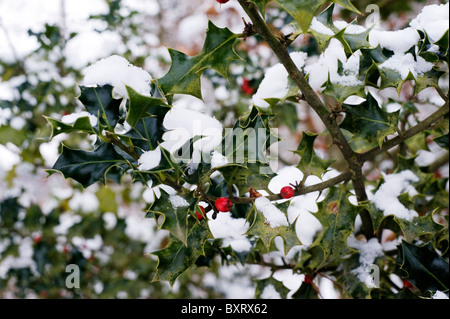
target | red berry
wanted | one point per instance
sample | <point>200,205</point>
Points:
<point>407,284</point>
<point>37,239</point>
<point>224,204</point>
<point>308,279</point>
<point>287,192</point>
<point>200,216</point>
<point>222,1</point>
<point>246,87</point>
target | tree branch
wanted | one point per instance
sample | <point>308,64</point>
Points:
<point>310,96</point>
<point>420,127</point>
<point>346,176</point>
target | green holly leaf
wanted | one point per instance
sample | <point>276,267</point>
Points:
<point>175,210</point>
<point>418,227</point>
<point>443,141</point>
<point>261,4</point>
<point>99,102</point>
<point>428,79</point>
<point>337,216</point>
<point>310,163</point>
<point>247,176</point>
<point>368,121</point>
<point>271,282</point>
<point>391,78</point>
<point>342,92</point>
<point>148,131</point>
<point>81,124</point>
<point>303,11</point>
<point>425,269</point>
<point>184,74</point>
<point>353,42</point>
<point>177,256</point>
<point>249,139</point>
<point>306,291</point>
<point>87,167</point>
<point>141,106</point>
<point>261,229</point>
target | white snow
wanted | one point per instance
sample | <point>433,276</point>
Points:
<point>368,252</point>
<point>177,201</point>
<point>85,202</point>
<point>275,81</point>
<point>405,63</point>
<point>350,28</point>
<point>231,230</point>
<point>327,66</point>
<point>217,159</point>
<point>319,27</point>
<point>23,260</point>
<point>71,118</point>
<point>434,20</point>
<point>270,292</point>
<point>272,214</point>
<point>439,295</point>
<point>397,41</point>
<point>66,220</point>
<point>110,220</point>
<point>183,124</point>
<point>150,159</point>
<point>118,72</point>
<point>386,197</point>
<point>9,157</point>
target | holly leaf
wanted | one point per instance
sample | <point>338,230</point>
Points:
<point>443,141</point>
<point>303,11</point>
<point>184,74</point>
<point>261,4</point>
<point>310,163</point>
<point>353,42</point>
<point>428,79</point>
<point>176,257</point>
<point>148,131</point>
<point>267,234</point>
<point>87,167</point>
<point>424,267</point>
<point>81,124</point>
<point>141,106</point>
<point>342,92</point>
<point>419,226</point>
<point>271,282</point>
<point>337,216</point>
<point>175,210</point>
<point>99,102</point>
<point>247,176</point>
<point>368,121</point>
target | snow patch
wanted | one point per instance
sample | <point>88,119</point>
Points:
<point>118,72</point>
<point>273,215</point>
<point>386,197</point>
<point>149,160</point>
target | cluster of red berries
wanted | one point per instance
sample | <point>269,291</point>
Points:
<point>223,204</point>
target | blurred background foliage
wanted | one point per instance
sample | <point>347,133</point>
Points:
<point>48,223</point>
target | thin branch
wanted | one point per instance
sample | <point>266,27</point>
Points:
<point>310,96</point>
<point>420,127</point>
<point>346,176</point>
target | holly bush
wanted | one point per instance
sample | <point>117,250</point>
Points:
<point>357,203</point>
